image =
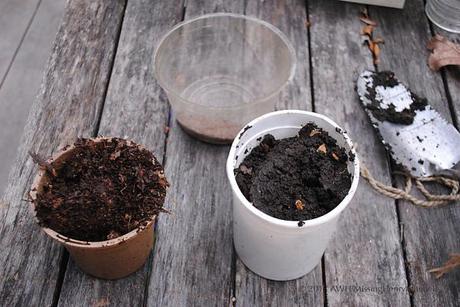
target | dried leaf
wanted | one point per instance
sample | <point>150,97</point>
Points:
<point>56,203</point>
<point>368,21</point>
<point>115,155</point>
<point>367,30</point>
<point>376,53</point>
<point>444,52</point>
<point>335,156</point>
<point>103,302</point>
<point>322,148</point>
<point>299,205</point>
<point>245,170</point>
<point>451,264</point>
<point>307,24</point>
<point>112,235</point>
<point>314,132</point>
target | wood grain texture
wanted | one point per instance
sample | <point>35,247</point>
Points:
<point>452,75</point>
<point>15,18</point>
<point>251,290</point>
<point>22,83</point>
<point>429,235</point>
<point>366,250</point>
<point>135,108</point>
<point>193,253</point>
<point>68,106</point>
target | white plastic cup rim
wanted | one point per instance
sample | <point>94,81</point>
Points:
<point>284,223</point>
<point>271,27</point>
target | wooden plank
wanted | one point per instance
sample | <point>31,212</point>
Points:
<point>366,251</point>
<point>68,106</point>
<point>135,108</point>
<point>193,253</point>
<point>15,19</point>
<point>251,290</point>
<point>423,229</point>
<point>452,76</point>
<point>23,81</point>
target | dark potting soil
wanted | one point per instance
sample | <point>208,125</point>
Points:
<point>404,117</point>
<point>104,190</point>
<point>296,178</point>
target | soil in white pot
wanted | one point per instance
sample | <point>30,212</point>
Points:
<point>103,190</point>
<point>297,178</point>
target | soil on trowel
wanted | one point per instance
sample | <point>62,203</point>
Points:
<point>296,178</point>
<point>105,189</point>
<point>404,117</point>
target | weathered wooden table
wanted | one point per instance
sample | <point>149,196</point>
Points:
<point>100,80</point>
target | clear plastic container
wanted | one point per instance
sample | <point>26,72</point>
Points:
<point>222,70</point>
<point>445,14</point>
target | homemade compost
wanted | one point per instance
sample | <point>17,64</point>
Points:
<point>101,190</point>
<point>296,178</point>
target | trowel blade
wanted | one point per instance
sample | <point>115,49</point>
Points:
<point>417,136</point>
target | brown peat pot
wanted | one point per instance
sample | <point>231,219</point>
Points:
<point>110,259</point>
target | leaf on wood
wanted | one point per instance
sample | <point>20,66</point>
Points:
<point>444,52</point>
<point>367,30</point>
<point>375,49</point>
<point>103,302</point>
<point>451,264</point>
<point>322,148</point>
<point>368,21</point>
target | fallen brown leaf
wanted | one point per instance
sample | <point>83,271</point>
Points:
<point>444,52</point>
<point>368,21</point>
<point>101,302</point>
<point>367,30</point>
<point>322,148</point>
<point>451,264</point>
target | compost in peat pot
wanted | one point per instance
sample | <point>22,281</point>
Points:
<point>296,178</point>
<point>101,190</point>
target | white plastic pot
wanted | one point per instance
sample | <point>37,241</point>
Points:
<point>273,248</point>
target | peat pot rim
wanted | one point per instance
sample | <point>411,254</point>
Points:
<point>293,225</point>
<point>74,242</point>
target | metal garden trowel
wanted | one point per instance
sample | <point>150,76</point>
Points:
<point>416,136</point>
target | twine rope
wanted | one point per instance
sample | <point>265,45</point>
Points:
<point>430,201</point>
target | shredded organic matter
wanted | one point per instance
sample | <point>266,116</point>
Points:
<point>102,190</point>
<point>296,178</point>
